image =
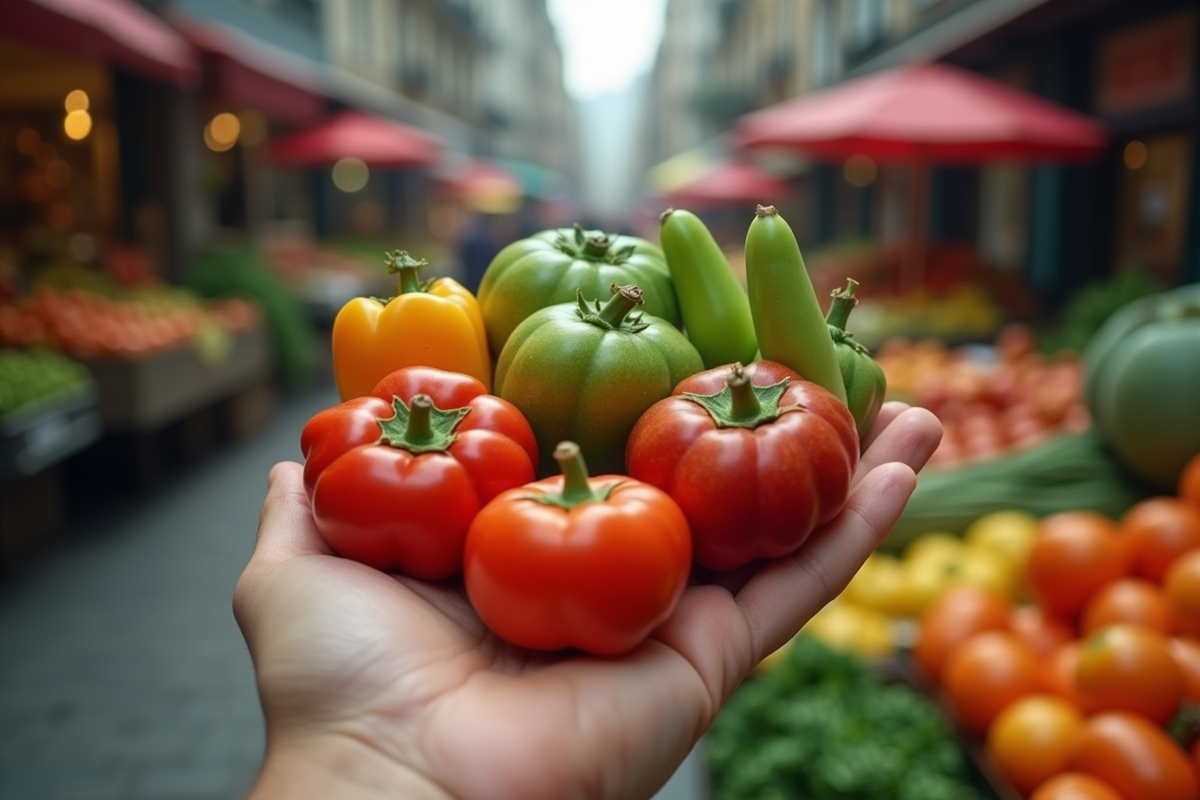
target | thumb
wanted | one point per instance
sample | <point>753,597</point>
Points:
<point>285,527</point>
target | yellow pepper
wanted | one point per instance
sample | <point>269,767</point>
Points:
<point>433,324</point>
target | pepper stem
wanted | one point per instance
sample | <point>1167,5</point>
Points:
<point>595,247</point>
<point>621,303</point>
<point>743,401</point>
<point>576,488</point>
<point>419,429</point>
<point>399,262</point>
<point>843,303</point>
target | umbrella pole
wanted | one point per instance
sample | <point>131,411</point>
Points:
<point>913,270</point>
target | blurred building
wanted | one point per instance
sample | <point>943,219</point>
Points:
<point>182,98</point>
<point>1132,65</point>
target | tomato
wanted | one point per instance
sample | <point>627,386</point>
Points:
<point>986,673</point>
<point>1132,601</point>
<point>1186,652</point>
<point>1189,482</point>
<point>1032,739</point>
<point>572,561</point>
<point>1158,531</point>
<point>953,618</point>
<point>1042,632</point>
<point>756,457</point>
<point>1059,671</point>
<point>1075,786</point>
<point>1075,553</point>
<point>1136,757</point>
<point>1125,668</point>
<point>396,477</point>
<point>1181,584</point>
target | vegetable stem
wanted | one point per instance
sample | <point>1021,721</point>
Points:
<point>576,488</point>
<point>401,263</point>
<point>624,299</point>
<point>744,402</point>
<point>843,303</point>
<point>419,430</point>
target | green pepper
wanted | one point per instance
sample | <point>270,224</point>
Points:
<point>714,306</point>
<point>787,315</point>
<point>548,267</point>
<point>585,374</point>
<point>865,382</point>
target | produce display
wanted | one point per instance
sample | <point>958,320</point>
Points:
<point>591,371</point>
<point>31,377</point>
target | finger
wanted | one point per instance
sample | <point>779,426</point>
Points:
<point>909,438</point>
<point>887,413</point>
<point>285,527</point>
<point>787,592</point>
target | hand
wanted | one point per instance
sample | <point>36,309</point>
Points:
<point>374,684</point>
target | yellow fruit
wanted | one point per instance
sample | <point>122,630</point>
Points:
<point>881,585</point>
<point>847,627</point>
<point>985,569</point>
<point>926,580</point>
<point>1009,533</point>
<point>938,548</point>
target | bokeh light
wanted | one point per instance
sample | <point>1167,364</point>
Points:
<point>350,174</point>
<point>860,170</point>
<point>221,132</point>
<point>78,124</point>
<point>77,100</point>
<point>1135,154</point>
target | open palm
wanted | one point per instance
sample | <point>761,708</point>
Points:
<point>373,684</point>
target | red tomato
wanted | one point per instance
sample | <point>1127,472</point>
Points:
<point>986,673</point>
<point>1032,739</point>
<point>953,618</point>
<point>1042,632</point>
<point>395,478</point>
<point>569,561</point>
<point>1158,531</point>
<point>1075,786</point>
<point>1059,670</point>
<point>1181,585</point>
<point>757,458</point>
<point>1075,553</point>
<point>1186,652</point>
<point>1126,668</point>
<point>1136,757</point>
<point>1130,601</point>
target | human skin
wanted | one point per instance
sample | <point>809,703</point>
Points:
<point>374,684</point>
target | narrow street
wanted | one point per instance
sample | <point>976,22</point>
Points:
<point>123,674</point>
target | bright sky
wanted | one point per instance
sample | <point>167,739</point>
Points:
<point>606,43</point>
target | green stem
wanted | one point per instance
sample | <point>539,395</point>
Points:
<point>595,247</point>
<point>401,263</point>
<point>624,299</point>
<point>744,403</point>
<point>843,303</point>
<point>419,428</point>
<point>576,488</point>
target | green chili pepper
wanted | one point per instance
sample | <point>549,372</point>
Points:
<point>865,382</point>
<point>787,315</point>
<point>715,309</point>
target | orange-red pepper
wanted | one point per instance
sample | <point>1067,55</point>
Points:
<point>432,324</point>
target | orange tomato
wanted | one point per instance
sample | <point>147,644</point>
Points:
<point>1059,670</point>
<point>1186,652</point>
<point>1126,668</point>
<point>1043,632</point>
<point>1075,786</point>
<point>1189,482</point>
<point>1181,585</point>
<point>1158,531</point>
<point>1131,601</point>
<point>1136,757</point>
<point>953,618</point>
<point>986,673</point>
<point>1032,739</point>
<point>1074,555</point>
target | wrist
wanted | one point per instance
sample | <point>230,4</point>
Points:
<point>334,766</point>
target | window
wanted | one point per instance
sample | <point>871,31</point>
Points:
<point>826,45</point>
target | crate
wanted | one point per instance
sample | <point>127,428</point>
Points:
<point>40,435</point>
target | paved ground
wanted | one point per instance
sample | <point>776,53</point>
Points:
<point>122,673</point>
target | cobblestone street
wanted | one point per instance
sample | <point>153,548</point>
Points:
<point>123,674</point>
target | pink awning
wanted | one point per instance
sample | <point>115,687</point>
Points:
<point>731,182</point>
<point>117,31</point>
<point>378,141</point>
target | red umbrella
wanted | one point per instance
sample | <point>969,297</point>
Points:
<point>923,113</point>
<point>730,182</point>
<point>378,141</point>
<point>486,186</point>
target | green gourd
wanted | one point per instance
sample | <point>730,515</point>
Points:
<point>866,385</point>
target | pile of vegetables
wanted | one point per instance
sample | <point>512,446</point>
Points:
<point>485,421</point>
<point>821,725</point>
<point>1096,682</point>
<point>31,377</point>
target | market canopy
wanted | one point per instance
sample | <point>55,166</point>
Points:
<point>377,141</point>
<point>120,31</point>
<point>730,182</point>
<point>929,112</point>
<point>485,185</point>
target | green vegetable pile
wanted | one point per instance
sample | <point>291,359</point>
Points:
<point>821,726</point>
<point>30,376</point>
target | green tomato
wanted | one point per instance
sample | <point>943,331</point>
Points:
<point>585,374</point>
<point>549,267</point>
<point>865,383</point>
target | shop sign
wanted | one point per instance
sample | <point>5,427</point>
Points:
<point>1147,66</point>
